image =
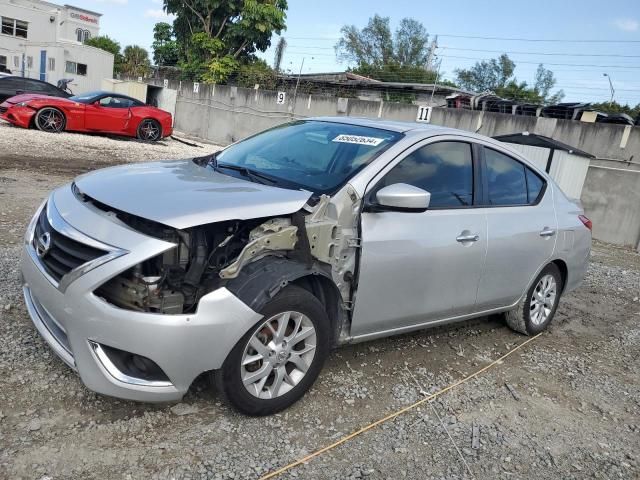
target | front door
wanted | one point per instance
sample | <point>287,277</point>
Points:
<point>419,267</point>
<point>109,114</point>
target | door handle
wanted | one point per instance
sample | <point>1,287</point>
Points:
<point>467,238</point>
<point>547,232</point>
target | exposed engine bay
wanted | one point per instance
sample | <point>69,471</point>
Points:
<point>208,257</point>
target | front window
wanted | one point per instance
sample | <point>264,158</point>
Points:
<point>444,169</point>
<point>313,155</point>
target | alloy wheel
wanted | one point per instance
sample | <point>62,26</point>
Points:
<point>149,130</point>
<point>50,120</point>
<point>543,300</point>
<point>278,355</point>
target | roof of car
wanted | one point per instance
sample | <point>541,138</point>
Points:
<point>99,93</point>
<point>392,125</point>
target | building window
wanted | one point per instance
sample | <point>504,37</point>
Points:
<point>16,61</point>
<point>77,68</point>
<point>3,62</point>
<point>82,35</point>
<point>52,64</point>
<point>13,27</point>
<point>29,62</point>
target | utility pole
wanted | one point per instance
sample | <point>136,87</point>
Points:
<point>611,87</point>
<point>433,90</point>
<point>295,92</point>
<point>431,54</point>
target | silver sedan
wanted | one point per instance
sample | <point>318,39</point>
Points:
<point>252,263</point>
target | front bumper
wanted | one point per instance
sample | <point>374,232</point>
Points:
<point>19,116</point>
<point>74,321</point>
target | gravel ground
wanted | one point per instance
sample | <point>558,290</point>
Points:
<point>73,153</point>
<point>565,406</point>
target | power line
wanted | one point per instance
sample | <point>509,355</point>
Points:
<point>558,64</point>
<point>552,40</point>
<point>542,53</point>
<point>310,47</point>
<point>478,37</point>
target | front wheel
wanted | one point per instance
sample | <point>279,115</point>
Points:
<point>278,360</point>
<point>149,130</point>
<point>50,120</point>
<point>535,312</point>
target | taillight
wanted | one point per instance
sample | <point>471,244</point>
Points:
<point>585,221</point>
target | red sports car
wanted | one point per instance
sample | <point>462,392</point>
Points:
<point>100,112</point>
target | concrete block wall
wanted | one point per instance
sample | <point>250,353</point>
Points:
<point>225,114</point>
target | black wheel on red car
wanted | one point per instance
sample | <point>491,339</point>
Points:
<point>149,130</point>
<point>49,119</point>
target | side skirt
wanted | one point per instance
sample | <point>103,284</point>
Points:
<point>426,325</point>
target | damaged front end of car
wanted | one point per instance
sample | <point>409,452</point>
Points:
<point>315,248</point>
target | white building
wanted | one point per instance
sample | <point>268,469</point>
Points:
<point>43,40</point>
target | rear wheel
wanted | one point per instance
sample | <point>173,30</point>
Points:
<point>536,310</point>
<point>278,360</point>
<point>149,130</point>
<point>50,119</point>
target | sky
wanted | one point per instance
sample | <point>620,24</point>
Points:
<point>552,32</point>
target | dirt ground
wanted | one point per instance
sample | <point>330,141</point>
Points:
<point>571,409</point>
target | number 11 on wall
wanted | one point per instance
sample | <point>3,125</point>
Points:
<point>424,114</point>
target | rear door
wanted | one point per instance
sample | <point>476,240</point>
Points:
<point>419,267</point>
<point>521,224</point>
<point>109,114</point>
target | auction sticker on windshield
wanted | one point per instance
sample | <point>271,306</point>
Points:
<point>359,140</point>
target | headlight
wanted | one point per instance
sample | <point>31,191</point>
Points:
<point>22,104</point>
<point>28,236</point>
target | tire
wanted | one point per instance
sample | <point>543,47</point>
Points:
<point>535,312</point>
<point>50,119</point>
<point>261,394</point>
<point>149,130</point>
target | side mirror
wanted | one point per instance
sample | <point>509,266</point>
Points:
<point>97,103</point>
<point>402,196</point>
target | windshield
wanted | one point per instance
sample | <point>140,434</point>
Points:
<point>312,155</point>
<point>85,97</point>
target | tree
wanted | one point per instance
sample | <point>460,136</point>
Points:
<point>497,76</point>
<point>257,72</point>
<point>544,81</point>
<point>279,54</point>
<point>401,57</point>
<point>411,44</point>
<point>616,107</point>
<point>165,47</point>
<point>136,61</point>
<point>216,36</point>
<point>487,76</point>
<point>108,44</point>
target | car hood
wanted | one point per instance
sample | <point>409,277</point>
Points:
<point>181,194</point>
<point>25,97</point>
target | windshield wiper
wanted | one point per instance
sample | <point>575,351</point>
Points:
<point>253,175</point>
